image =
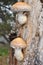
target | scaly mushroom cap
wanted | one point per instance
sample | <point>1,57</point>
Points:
<point>18,43</point>
<point>21,6</point>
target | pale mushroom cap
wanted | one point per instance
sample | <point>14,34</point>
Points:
<point>21,6</point>
<point>18,43</point>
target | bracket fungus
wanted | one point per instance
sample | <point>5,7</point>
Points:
<point>21,7</point>
<point>18,44</point>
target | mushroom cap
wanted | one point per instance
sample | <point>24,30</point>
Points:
<point>18,43</point>
<point>20,6</point>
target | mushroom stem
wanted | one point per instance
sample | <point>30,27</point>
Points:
<point>21,18</point>
<point>18,54</point>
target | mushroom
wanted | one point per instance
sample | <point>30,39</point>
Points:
<point>21,7</point>
<point>18,44</point>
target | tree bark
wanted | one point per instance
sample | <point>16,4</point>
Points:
<point>31,53</point>
<point>10,57</point>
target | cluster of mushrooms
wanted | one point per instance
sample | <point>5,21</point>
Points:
<point>18,43</point>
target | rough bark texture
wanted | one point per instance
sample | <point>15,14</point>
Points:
<point>34,52</point>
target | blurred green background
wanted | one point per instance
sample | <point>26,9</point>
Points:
<point>6,25</point>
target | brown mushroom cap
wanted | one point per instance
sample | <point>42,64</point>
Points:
<point>20,6</point>
<point>18,43</point>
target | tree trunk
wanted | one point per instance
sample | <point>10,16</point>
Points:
<point>31,53</point>
<point>10,57</point>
